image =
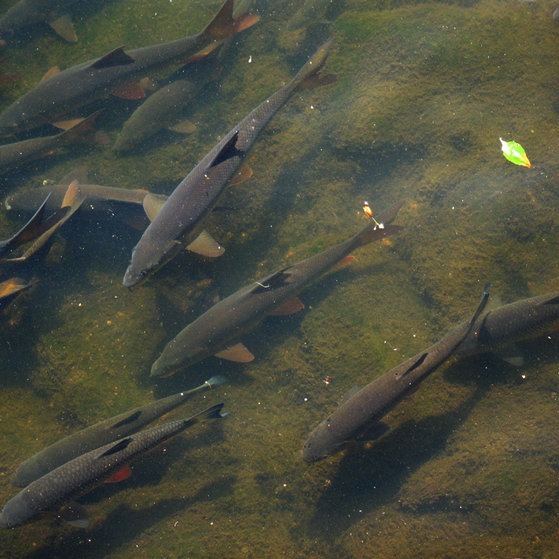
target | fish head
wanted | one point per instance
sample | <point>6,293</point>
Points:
<point>147,257</point>
<point>321,443</point>
<point>178,355</point>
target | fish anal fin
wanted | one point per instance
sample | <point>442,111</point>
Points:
<point>237,353</point>
<point>124,473</point>
<point>288,307</point>
<point>242,175</point>
<point>64,27</point>
<point>68,124</point>
<point>206,245</point>
<point>75,515</point>
<point>131,91</point>
<point>50,73</point>
<point>511,354</point>
<point>116,57</point>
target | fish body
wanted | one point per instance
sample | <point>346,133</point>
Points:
<point>84,83</point>
<point>26,199</point>
<point>100,434</point>
<point>502,327</point>
<point>178,222</point>
<point>360,413</point>
<point>222,325</point>
<point>162,109</point>
<point>18,153</point>
<point>27,13</point>
<point>73,478</point>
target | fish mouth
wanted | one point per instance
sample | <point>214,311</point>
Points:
<point>131,279</point>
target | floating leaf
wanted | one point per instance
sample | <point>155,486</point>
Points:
<point>515,153</point>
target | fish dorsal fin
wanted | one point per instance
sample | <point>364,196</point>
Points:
<point>50,73</point>
<point>552,301</point>
<point>291,306</point>
<point>116,57</point>
<point>277,279</point>
<point>127,420</point>
<point>117,447</point>
<point>205,245</point>
<point>64,27</point>
<point>228,151</point>
<point>417,363</point>
<point>152,204</point>
<point>237,353</point>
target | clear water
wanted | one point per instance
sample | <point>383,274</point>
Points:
<point>424,92</point>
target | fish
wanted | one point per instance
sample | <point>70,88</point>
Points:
<point>10,288</point>
<point>498,330</point>
<point>102,433</point>
<point>218,331</point>
<point>359,415</point>
<point>37,233</point>
<point>25,199</point>
<point>178,222</point>
<point>117,73</point>
<point>16,154</point>
<point>27,13</point>
<point>162,108</point>
<point>83,473</point>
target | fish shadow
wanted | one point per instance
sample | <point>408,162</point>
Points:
<point>368,479</point>
<point>124,525</point>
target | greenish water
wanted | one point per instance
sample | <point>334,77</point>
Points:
<point>424,91</point>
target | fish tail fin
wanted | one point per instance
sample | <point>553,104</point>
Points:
<point>308,76</point>
<point>211,413</point>
<point>380,228</point>
<point>375,233</point>
<point>83,131</point>
<point>224,24</point>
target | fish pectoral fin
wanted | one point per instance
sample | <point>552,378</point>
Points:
<point>205,245</point>
<point>152,204</point>
<point>184,126</point>
<point>374,432</point>
<point>124,473</point>
<point>116,57</point>
<point>64,27</point>
<point>288,307</point>
<point>237,353</point>
<point>511,354</point>
<point>131,91</point>
<point>75,515</point>
<point>50,73</point>
<point>242,175</point>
